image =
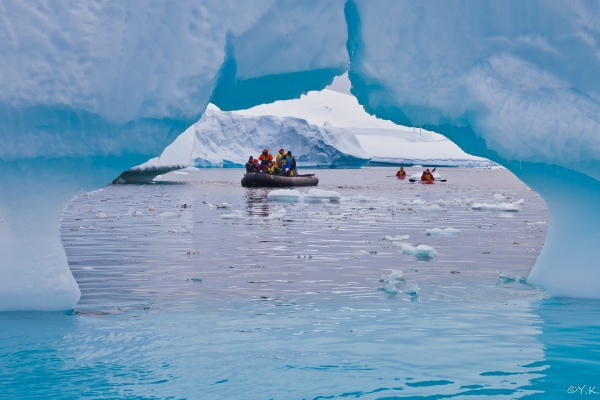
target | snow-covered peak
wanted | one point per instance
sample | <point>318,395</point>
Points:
<point>324,107</point>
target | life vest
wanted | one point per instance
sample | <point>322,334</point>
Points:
<point>271,169</point>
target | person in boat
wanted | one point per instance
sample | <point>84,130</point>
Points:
<point>281,161</point>
<point>427,176</point>
<point>264,158</point>
<point>292,163</point>
<point>271,168</point>
<point>401,173</point>
<point>286,169</point>
<point>278,156</point>
<point>251,166</point>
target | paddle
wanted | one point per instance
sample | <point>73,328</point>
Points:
<point>437,180</point>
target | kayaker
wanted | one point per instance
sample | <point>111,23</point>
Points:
<point>264,158</point>
<point>401,174</point>
<point>251,165</point>
<point>427,177</point>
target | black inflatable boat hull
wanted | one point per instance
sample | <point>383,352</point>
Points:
<point>262,179</point>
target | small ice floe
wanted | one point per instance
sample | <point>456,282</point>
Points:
<point>123,237</point>
<point>181,230</point>
<point>196,279</point>
<point>101,215</point>
<point>506,277</point>
<point>168,214</point>
<point>508,207</point>
<point>277,214</point>
<point>390,288</point>
<point>361,198</point>
<point>236,214</point>
<point>219,206</point>
<point>290,195</point>
<point>431,207</point>
<point>417,202</point>
<point>88,268</point>
<point>89,228</point>
<point>397,238</point>
<point>322,195</point>
<point>422,251</point>
<point>442,232</point>
<point>535,224</point>
<point>441,203</point>
<point>499,197</point>
<point>413,291</point>
<point>395,276</point>
<point>135,213</point>
<point>180,173</point>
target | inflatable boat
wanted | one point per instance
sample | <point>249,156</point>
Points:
<point>263,179</point>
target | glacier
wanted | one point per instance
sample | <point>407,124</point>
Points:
<point>92,88</point>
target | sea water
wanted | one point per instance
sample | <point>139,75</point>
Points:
<point>197,288</point>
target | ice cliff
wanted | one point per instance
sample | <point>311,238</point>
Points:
<point>226,139</point>
<point>91,88</point>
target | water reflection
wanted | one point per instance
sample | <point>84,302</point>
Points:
<point>257,203</point>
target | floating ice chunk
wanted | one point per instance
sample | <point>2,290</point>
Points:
<point>90,228</point>
<point>499,197</point>
<point>88,268</point>
<point>197,279</point>
<point>151,209</point>
<point>397,238</point>
<point>180,173</point>
<point>413,291</point>
<point>424,250</point>
<point>390,288</point>
<point>442,232</point>
<point>222,205</point>
<point>431,207</point>
<point>506,276</point>
<point>277,214</point>
<point>101,215</point>
<point>396,275</point>
<point>135,213</point>
<point>168,214</point>
<point>320,194</point>
<point>292,195</point>
<point>180,230</point>
<point>441,203</point>
<point>236,214</point>
<point>421,251</point>
<point>536,223</point>
<point>417,202</point>
<point>508,207</point>
<point>361,198</point>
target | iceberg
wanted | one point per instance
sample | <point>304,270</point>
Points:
<point>90,89</point>
<point>226,139</point>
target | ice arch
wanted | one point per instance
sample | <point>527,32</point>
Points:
<point>89,89</point>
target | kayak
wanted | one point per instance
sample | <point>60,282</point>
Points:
<point>263,179</point>
<point>402,177</point>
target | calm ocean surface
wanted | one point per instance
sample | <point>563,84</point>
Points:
<point>197,288</point>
